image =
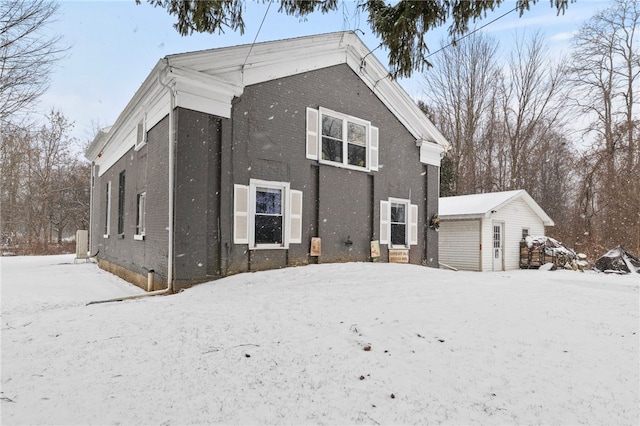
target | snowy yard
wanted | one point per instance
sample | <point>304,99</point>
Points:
<point>359,343</point>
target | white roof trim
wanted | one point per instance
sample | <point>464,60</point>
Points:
<point>208,81</point>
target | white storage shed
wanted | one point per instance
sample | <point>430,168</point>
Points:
<point>482,232</point>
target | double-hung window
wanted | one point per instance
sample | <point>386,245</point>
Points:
<point>341,140</point>
<point>267,214</point>
<point>121,195</point>
<point>140,217</point>
<point>398,223</point>
<point>268,220</point>
<point>107,211</point>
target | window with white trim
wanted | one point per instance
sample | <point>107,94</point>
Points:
<point>121,195</point>
<point>341,140</point>
<point>141,133</point>
<point>140,216</point>
<point>398,223</point>
<point>525,233</point>
<point>267,214</point>
<point>107,212</point>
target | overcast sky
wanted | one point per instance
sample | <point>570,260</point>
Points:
<point>115,44</point>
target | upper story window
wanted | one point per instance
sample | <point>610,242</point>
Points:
<point>141,133</point>
<point>341,140</point>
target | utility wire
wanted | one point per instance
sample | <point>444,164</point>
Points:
<point>453,42</point>
<point>256,37</point>
<point>471,33</point>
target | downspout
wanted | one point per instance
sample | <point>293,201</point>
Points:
<point>169,288</point>
<point>172,102</point>
<point>91,182</point>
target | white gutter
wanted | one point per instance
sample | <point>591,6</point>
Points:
<point>169,288</point>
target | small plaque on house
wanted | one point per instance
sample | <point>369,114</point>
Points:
<point>316,246</point>
<point>375,249</point>
<point>398,256</point>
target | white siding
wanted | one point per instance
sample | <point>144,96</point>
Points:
<point>459,244</point>
<point>515,215</point>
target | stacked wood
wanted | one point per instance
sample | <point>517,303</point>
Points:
<point>543,250</point>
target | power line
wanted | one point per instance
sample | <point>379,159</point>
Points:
<point>471,33</point>
<point>453,42</point>
<point>256,37</point>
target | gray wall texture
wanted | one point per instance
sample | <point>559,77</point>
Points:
<point>265,139</point>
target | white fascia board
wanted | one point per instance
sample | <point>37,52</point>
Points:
<point>376,76</point>
<point>121,137</point>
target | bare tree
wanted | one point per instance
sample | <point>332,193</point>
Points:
<point>532,103</point>
<point>45,189</point>
<point>27,55</point>
<point>459,89</point>
<point>605,70</point>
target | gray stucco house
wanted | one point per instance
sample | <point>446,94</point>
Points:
<point>257,157</point>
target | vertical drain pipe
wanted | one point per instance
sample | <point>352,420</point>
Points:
<point>172,103</point>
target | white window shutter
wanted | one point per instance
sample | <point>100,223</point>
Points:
<point>295,217</point>
<point>312,133</point>
<point>384,222</point>
<point>240,214</point>
<point>373,149</point>
<point>413,228</point>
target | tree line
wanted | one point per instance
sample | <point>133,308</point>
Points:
<point>565,130</point>
<point>44,192</point>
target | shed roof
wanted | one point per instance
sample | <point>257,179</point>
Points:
<point>475,206</point>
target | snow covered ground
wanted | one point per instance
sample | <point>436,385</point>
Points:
<point>359,343</point>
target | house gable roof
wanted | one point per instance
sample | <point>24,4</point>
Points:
<point>208,80</point>
<point>476,206</point>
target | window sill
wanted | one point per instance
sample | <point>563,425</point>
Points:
<point>344,166</point>
<point>121,236</point>
<point>268,247</point>
<point>138,237</point>
<point>105,236</point>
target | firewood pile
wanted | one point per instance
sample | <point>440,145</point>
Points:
<point>538,251</point>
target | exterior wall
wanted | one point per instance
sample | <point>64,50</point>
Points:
<point>515,216</point>
<point>263,139</point>
<point>197,197</point>
<point>145,170</point>
<point>267,133</point>
<point>459,244</point>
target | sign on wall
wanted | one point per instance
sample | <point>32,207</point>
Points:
<point>375,249</point>
<point>316,246</point>
<point>398,256</point>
